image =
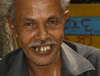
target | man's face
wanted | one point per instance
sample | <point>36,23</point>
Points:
<point>36,21</point>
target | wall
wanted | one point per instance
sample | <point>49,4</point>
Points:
<point>88,33</point>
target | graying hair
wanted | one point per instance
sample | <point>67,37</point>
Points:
<point>64,4</point>
<point>10,8</point>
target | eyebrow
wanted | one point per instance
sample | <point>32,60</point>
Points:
<point>54,17</point>
<point>28,19</point>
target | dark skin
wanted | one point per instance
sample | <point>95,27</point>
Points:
<point>40,20</point>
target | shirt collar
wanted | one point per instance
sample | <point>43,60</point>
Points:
<point>19,67</point>
<point>73,64</point>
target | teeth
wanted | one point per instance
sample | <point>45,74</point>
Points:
<point>45,48</point>
<point>41,49</point>
<point>37,49</point>
<point>48,47</point>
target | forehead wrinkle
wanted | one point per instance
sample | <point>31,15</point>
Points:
<point>28,19</point>
<point>41,12</point>
<point>54,17</point>
<point>51,17</point>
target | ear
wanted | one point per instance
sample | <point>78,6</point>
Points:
<point>12,26</point>
<point>66,14</point>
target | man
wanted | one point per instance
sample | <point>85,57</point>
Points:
<point>39,25</point>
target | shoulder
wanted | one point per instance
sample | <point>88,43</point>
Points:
<point>90,53</point>
<point>83,50</point>
<point>10,56</point>
<point>7,61</point>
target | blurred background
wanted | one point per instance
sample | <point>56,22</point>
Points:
<point>82,26</point>
<point>85,1</point>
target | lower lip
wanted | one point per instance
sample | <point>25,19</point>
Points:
<point>44,52</point>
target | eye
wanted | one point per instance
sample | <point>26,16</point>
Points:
<point>29,24</point>
<point>52,21</point>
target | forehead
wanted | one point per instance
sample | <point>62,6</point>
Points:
<point>37,9</point>
<point>36,2</point>
<point>37,6</point>
<point>43,4</point>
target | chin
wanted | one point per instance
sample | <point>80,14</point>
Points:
<point>41,62</point>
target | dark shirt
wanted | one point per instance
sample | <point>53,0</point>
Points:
<point>77,60</point>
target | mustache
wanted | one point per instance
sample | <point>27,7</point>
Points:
<point>38,43</point>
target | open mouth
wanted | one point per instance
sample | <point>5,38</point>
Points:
<point>42,48</point>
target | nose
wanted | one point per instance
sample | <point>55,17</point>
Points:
<point>42,33</point>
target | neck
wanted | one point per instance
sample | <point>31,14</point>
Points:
<point>52,69</point>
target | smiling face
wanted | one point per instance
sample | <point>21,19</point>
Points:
<point>39,26</point>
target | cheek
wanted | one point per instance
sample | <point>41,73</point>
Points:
<point>25,37</point>
<point>58,34</point>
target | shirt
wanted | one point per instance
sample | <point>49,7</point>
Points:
<point>77,60</point>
